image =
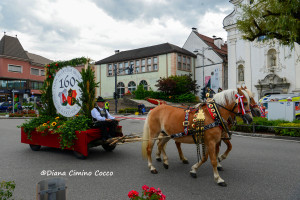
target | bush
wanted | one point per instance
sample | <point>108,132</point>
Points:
<point>263,126</point>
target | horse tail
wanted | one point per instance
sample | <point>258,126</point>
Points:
<point>145,138</point>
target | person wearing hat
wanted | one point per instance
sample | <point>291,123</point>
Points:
<point>289,99</point>
<point>104,120</point>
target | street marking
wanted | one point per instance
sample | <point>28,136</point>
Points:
<point>134,118</point>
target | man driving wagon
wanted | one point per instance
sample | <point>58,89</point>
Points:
<point>103,120</point>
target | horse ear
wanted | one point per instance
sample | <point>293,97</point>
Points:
<point>242,88</point>
<point>245,87</point>
<point>239,91</point>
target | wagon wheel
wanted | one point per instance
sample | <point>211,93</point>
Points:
<point>35,147</point>
<point>108,147</point>
<point>79,155</point>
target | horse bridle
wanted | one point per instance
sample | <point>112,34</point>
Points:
<point>232,110</point>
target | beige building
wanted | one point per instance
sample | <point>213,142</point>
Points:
<point>142,66</point>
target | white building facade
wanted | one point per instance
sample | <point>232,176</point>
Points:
<point>265,68</point>
<point>211,63</point>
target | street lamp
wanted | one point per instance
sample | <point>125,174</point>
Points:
<point>197,53</point>
<point>116,89</point>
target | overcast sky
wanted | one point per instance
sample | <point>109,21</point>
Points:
<point>65,29</point>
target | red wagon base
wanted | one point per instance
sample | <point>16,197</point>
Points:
<point>85,140</point>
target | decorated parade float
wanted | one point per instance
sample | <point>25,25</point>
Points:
<point>65,120</point>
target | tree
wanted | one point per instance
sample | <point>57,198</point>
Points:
<point>274,19</point>
<point>176,85</point>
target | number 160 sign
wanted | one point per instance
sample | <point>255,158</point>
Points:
<point>65,91</point>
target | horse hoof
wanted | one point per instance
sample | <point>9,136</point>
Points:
<point>220,168</point>
<point>158,159</point>
<point>223,184</point>
<point>194,175</point>
<point>154,171</point>
<point>185,162</point>
<point>166,166</point>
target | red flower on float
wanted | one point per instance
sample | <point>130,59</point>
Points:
<point>56,64</point>
<point>49,76</point>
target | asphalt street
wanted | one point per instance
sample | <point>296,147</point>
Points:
<point>257,168</point>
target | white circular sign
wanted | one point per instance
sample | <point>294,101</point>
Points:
<point>65,91</point>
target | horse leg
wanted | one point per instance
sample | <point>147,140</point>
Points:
<point>219,167</point>
<point>193,171</point>
<point>214,163</point>
<point>149,152</point>
<point>161,148</point>
<point>158,152</point>
<point>181,156</point>
<point>225,154</point>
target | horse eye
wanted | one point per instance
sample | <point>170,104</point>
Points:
<point>245,103</point>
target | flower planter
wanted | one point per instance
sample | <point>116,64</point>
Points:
<point>85,140</point>
<point>156,101</point>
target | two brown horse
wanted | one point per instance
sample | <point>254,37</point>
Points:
<point>255,113</point>
<point>169,120</point>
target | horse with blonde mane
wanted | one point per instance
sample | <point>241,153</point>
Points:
<point>255,113</point>
<point>169,120</point>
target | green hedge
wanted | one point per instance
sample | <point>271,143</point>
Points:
<point>140,93</point>
<point>264,122</point>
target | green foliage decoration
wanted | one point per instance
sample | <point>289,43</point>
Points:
<point>87,88</point>
<point>6,189</point>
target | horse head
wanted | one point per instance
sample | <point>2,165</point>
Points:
<point>243,106</point>
<point>253,105</point>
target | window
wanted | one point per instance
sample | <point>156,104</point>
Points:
<point>120,89</point>
<point>126,67</point>
<point>137,63</point>
<point>3,83</point>
<point>188,64</point>
<point>42,72</point>
<point>143,69</point>
<point>155,67</point>
<point>149,68</point>
<point>15,68</point>
<point>143,65</point>
<point>17,84</point>
<point>131,86</point>
<point>149,61</point>
<point>121,70</point>
<point>183,63</point>
<point>145,84</point>
<point>10,84</point>
<point>35,85</point>
<point>137,69</point>
<point>240,73</point>
<point>179,62</point>
<point>155,60</point>
<point>109,70</point>
<point>34,71</point>
<point>23,84</point>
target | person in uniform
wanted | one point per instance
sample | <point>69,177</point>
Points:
<point>107,106</point>
<point>104,120</point>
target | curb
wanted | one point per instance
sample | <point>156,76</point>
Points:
<point>267,136</point>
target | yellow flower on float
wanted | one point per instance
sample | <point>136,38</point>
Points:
<point>57,118</point>
<point>44,124</point>
<point>53,123</point>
